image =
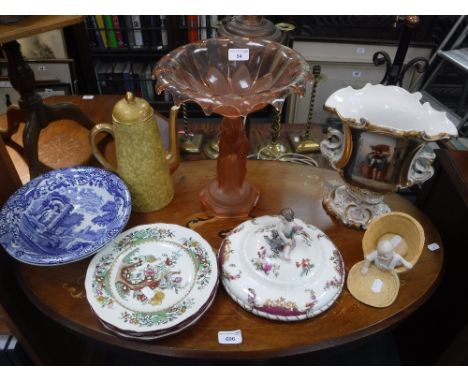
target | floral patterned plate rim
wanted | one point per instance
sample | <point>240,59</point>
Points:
<point>151,277</point>
<point>162,333</point>
<point>257,275</point>
<point>64,215</point>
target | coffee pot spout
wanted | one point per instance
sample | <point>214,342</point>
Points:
<point>173,155</point>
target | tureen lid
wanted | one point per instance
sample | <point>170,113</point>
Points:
<point>281,270</point>
<point>392,109</point>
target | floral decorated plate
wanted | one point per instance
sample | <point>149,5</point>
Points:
<point>281,270</point>
<point>64,215</point>
<point>162,333</point>
<point>151,278</point>
<point>165,332</point>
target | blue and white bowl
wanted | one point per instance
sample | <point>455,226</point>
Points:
<point>64,215</point>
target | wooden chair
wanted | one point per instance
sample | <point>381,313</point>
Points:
<point>43,340</point>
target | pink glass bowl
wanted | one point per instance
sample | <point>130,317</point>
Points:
<point>211,74</point>
<point>202,72</point>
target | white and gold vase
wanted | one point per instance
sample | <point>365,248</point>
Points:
<point>380,149</point>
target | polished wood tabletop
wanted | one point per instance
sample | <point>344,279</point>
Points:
<point>59,291</point>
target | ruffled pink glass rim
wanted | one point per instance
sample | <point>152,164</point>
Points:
<point>203,73</point>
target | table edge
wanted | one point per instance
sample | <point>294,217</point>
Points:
<point>241,355</point>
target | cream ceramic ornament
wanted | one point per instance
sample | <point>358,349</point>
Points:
<point>405,236</point>
<point>385,256</point>
<point>392,245</point>
<point>381,148</point>
<point>281,268</point>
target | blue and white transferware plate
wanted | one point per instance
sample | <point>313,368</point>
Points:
<point>64,215</point>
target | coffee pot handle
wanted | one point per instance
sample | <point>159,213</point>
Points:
<point>101,128</point>
<point>332,146</point>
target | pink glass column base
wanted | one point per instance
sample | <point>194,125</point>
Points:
<point>230,205</point>
<point>231,195</point>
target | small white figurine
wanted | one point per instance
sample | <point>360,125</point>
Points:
<point>385,257</point>
<point>283,241</point>
<point>286,232</point>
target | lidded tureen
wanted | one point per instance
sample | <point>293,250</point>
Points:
<point>281,268</point>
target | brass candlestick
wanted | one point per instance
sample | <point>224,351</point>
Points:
<point>211,148</point>
<point>305,143</point>
<point>189,142</point>
<point>276,146</point>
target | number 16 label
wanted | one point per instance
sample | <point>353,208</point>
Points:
<point>238,54</point>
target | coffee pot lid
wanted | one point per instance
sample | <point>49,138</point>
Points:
<point>131,109</point>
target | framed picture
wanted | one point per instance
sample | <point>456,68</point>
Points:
<point>48,45</point>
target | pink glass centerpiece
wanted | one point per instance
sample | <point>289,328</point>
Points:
<point>232,77</point>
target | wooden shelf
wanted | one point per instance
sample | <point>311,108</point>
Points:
<point>144,50</point>
<point>34,25</point>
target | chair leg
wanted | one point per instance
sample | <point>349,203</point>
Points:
<point>30,142</point>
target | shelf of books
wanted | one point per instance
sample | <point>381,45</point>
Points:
<point>124,50</point>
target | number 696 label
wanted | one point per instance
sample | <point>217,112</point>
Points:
<point>238,54</point>
<point>230,338</point>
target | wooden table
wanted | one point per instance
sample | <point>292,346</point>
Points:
<point>446,191</point>
<point>59,291</point>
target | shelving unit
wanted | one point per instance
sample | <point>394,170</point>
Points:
<point>351,29</point>
<point>124,50</point>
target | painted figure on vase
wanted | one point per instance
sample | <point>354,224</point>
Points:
<point>377,161</point>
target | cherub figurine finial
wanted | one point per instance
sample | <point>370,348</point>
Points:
<point>284,234</point>
<point>285,230</point>
<point>287,215</point>
<point>385,257</point>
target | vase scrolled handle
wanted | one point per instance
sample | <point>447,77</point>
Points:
<point>332,146</point>
<point>421,168</point>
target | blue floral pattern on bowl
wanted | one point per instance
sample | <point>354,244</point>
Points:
<point>64,215</point>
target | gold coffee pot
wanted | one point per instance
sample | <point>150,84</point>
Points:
<point>142,162</point>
